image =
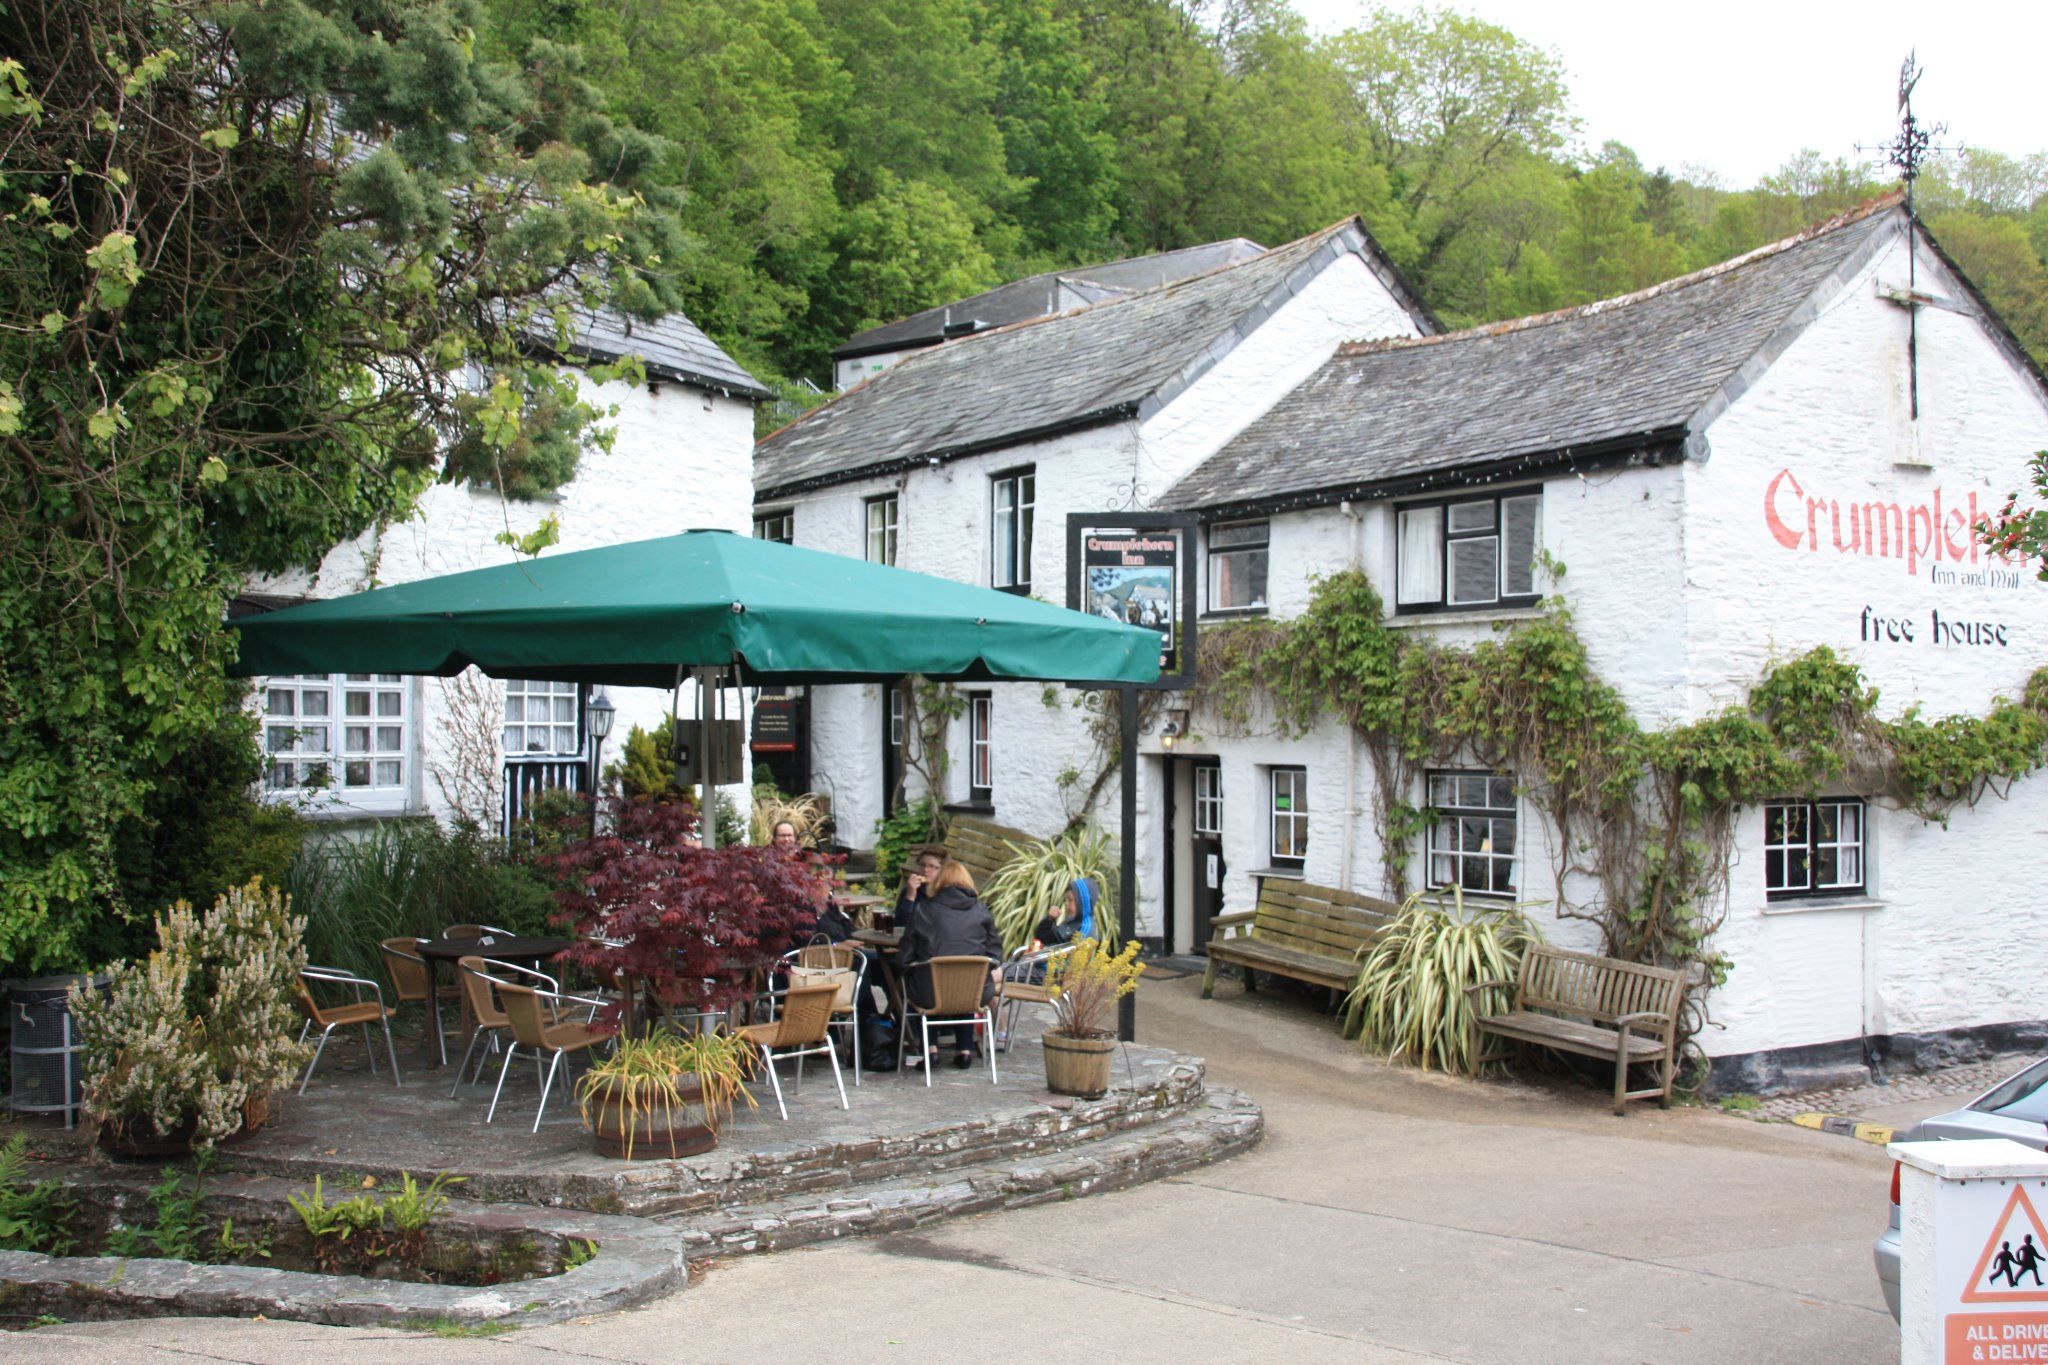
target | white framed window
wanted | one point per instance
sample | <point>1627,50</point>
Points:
<point>1209,800</point>
<point>347,734</point>
<point>1815,848</point>
<point>980,750</point>
<point>1468,553</point>
<point>1472,832</point>
<point>881,529</point>
<point>540,718</point>
<point>1013,499</point>
<point>779,526</point>
<point>1287,806</point>
<point>896,716</point>
<point>1237,566</point>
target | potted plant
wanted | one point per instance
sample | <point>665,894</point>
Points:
<point>1085,983</point>
<point>183,1049</point>
<point>668,1091</point>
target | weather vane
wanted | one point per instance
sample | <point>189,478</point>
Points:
<point>1909,151</point>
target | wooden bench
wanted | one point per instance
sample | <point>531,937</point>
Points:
<point>982,846</point>
<point>1597,1007</point>
<point>1311,933</point>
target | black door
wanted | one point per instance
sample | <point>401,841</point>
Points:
<point>1207,846</point>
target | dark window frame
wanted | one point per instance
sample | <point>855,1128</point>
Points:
<point>1294,814</point>
<point>1813,842</point>
<point>1442,817</point>
<point>891,530</point>
<point>1211,553</point>
<point>1447,538</point>
<point>981,737</point>
<point>1023,513</point>
<point>763,521</point>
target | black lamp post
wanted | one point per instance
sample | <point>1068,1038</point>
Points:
<point>598,714</point>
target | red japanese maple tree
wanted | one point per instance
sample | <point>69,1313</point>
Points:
<point>691,922</point>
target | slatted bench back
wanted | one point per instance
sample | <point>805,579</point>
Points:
<point>1318,919</point>
<point>981,846</point>
<point>1597,988</point>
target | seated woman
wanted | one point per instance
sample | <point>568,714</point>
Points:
<point>951,923</point>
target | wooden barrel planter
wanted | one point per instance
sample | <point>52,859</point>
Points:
<point>1077,1066</point>
<point>659,1131</point>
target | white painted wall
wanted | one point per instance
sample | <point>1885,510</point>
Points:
<point>860,369</point>
<point>682,459</point>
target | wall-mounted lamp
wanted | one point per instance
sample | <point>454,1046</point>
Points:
<point>1176,726</point>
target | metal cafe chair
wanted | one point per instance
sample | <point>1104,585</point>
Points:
<point>539,1028</point>
<point>487,1018</point>
<point>838,958</point>
<point>802,1029</point>
<point>957,984</point>
<point>1022,983</point>
<point>412,981</point>
<point>475,931</point>
<point>360,1011</point>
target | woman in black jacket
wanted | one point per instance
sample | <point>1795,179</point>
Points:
<point>951,923</point>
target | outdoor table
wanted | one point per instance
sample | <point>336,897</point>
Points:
<point>513,948</point>
<point>885,945</point>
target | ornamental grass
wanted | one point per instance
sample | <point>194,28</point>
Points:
<point>1033,883</point>
<point>1085,983</point>
<point>1410,998</point>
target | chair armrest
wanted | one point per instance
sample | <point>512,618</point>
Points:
<point>1478,986</point>
<point>1645,1017</point>
<point>340,977</point>
<point>1233,921</point>
<point>495,965</point>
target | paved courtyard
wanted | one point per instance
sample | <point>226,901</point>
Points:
<point>1387,1216</point>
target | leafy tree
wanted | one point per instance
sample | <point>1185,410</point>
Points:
<point>911,246</point>
<point>259,264</point>
<point>2000,260</point>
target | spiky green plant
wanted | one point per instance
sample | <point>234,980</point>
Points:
<point>1034,882</point>
<point>1410,1000</point>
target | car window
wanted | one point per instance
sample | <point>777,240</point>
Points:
<point>2024,1097</point>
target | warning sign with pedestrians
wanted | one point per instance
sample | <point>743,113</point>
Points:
<point>1995,1273</point>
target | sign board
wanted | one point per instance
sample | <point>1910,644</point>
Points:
<point>726,759</point>
<point>1138,568</point>
<point>775,725</point>
<point>1987,1248</point>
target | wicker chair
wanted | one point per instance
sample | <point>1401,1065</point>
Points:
<point>802,1029</point>
<point>479,988</point>
<point>358,1011</point>
<point>843,957</point>
<point>535,1018</point>
<point>957,987</point>
<point>412,981</point>
<point>1022,983</point>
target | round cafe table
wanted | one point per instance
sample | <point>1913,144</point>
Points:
<point>504,948</point>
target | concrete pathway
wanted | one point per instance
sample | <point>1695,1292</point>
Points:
<point>1389,1216</point>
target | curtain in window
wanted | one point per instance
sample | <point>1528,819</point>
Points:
<point>1420,576</point>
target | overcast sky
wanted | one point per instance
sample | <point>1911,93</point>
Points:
<point>1741,86</point>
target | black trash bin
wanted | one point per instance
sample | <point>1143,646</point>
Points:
<point>44,1054</point>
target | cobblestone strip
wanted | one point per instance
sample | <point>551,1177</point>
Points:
<point>1849,1101</point>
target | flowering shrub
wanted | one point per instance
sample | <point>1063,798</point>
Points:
<point>691,922</point>
<point>1085,983</point>
<point>203,1024</point>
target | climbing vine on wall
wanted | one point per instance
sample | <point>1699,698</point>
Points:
<point>1644,817</point>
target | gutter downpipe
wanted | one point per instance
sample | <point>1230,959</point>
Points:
<point>1344,849</point>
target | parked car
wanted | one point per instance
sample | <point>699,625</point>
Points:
<point>2015,1108</point>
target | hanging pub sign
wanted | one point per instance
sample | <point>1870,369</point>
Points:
<point>1138,568</point>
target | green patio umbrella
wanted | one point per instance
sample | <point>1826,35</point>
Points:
<point>642,613</point>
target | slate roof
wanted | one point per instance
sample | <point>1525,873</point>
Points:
<point>1620,375</point>
<point>1120,358</point>
<point>1053,292</point>
<point>671,347</point>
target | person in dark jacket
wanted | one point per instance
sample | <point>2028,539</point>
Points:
<point>951,923</point>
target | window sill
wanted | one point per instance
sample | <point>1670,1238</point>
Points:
<point>1808,905</point>
<point>1478,616</point>
<point>1292,874</point>
<point>969,808</point>
<point>1235,614</point>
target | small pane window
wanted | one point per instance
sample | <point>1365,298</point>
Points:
<point>1472,832</point>
<point>1288,807</point>
<point>1209,801</point>
<point>365,758</point>
<point>541,718</point>
<point>980,755</point>
<point>1013,504</point>
<point>1473,553</point>
<point>881,530</point>
<point>1814,848</point>
<point>779,527</point>
<point>1237,566</point>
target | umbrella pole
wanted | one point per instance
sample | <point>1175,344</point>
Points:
<point>707,803</point>
<point>1127,865</point>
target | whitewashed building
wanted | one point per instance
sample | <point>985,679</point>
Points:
<point>373,746</point>
<point>1782,452</point>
